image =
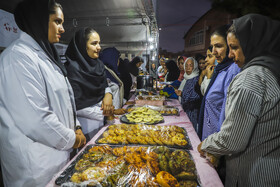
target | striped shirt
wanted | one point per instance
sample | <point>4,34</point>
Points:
<point>250,134</point>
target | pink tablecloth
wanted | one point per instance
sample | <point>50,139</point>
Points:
<point>208,175</point>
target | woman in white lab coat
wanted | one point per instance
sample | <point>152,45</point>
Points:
<point>36,99</point>
<point>87,77</point>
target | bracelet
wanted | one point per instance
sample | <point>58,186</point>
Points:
<point>78,127</point>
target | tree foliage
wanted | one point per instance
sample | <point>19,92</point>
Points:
<point>269,8</point>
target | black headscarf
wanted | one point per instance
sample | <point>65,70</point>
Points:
<point>125,77</point>
<point>259,37</point>
<point>110,57</point>
<point>32,17</point>
<point>173,70</point>
<point>86,75</point>
<point>133,69</point>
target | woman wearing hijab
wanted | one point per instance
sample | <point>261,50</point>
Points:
<point>125,77</point>
<point>212,111</point>
<point>37,108</point>
<point>172,75</point>
<point>110,57</point>
<point>250,134</point>
<point>190,94</point>
<point>173,71</point>
<point>87,76</point>
<point>153,71</point>
<point>133,68</point>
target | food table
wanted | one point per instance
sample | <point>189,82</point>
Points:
<point>207,174</point>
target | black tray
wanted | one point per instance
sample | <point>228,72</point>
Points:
<point>66,175</point>
<point>123,119</point>
<point>188,146</point>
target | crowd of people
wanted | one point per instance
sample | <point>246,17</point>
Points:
<point>49,109</point>
<point>232,97</point>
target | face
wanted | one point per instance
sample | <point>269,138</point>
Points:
<point>153,66</point>
<point>93,45</point>
<point>181,64</point>
<point>235,50</point>
<point>189,66</point>
<point>55,26</point>
<point>138,64</point>
<point>201,64</point>
<point>219,47</point>
<point>164,66</point>
<point>162,63</point>
<point>210,58</point>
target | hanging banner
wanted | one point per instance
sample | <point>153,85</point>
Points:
<point>9,30</point>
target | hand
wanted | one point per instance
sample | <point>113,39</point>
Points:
<point>209,71</point>
<point>202,153</point>
<point>178,92</point>
<point>203,72</point>
<point>80,139</point>
<point>107,105</point>
<point>214,160</point>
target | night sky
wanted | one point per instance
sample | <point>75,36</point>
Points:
<point>175,17</point>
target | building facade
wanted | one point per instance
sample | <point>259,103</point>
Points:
<point>197,39</point>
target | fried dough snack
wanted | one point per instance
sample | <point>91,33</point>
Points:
<point>93,173</point>
<point>119,151</point>
<point>76,178</point>
<point>165,179</point>
<point>145,135</point>
<point>102,149</point>
<point>134,166</point>
<point>83,164</point>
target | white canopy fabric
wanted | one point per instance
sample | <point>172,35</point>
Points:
<point>127,25</point>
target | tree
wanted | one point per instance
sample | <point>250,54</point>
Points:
<point>268,8</point>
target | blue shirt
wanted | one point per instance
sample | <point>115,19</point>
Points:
<point>191,100</point>
<point>214,111</point>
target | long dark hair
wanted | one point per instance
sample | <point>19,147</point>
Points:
<point>52,7</point>
<point>133,69</point>
<point>88,32</point>
<point>221,31</point>
<point>86,75</point>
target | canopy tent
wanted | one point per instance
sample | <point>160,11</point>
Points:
<point>128,25</point>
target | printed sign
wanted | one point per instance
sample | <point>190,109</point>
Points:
<point>9,30</point>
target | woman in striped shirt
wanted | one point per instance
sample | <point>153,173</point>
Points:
<point>250,133</point>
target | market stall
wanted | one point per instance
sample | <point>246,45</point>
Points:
<point>207,175</point>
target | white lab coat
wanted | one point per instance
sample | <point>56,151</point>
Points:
<point>116,94</point>
<point>36,115</point>
<point>92,118</point>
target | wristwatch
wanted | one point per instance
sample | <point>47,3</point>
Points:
<point>78,127</point>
